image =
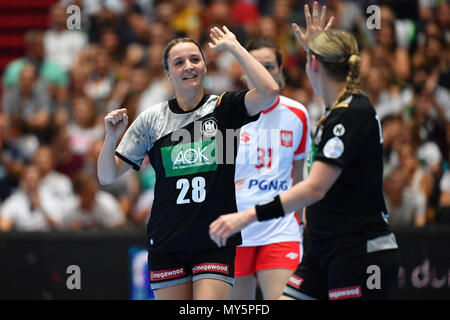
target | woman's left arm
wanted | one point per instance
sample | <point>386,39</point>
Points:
<point>321,177</point>
<point>266,89</point>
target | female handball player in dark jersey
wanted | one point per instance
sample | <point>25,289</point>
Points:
<point>351,251</point>
<point>187,142</point>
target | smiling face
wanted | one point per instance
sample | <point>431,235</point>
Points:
<point>186,67</point>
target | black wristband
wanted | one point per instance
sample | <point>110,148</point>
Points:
<point>269,210</point>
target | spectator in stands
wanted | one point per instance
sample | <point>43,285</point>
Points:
<point>282,11</point>
<point>134,57</point>
<point>101,80</point>
<point>431,64</point>
<point>66,162</point>
<point>217,80</point>
<point>30,102</point>
<point>386,52</point>
<point>133,26</point>
<point>86,127</point>
<point>416,178</point>
<point>30,208</point>
<point>385,101</point>
<point>393,129</point>
<point>266,29</point>
<point>49,72</point>
<point>159,88</point>
<point>12,160</point>
<point>164,12</point>
<point>443,211</point>
<point>428,118</point>
<point>92,208</point>
<point>56,184</point>
<point>129,92</point>
<point>160,33</point>
<point>186,21</point>
<point>443,208</point>
<point>348,14</point>
<point>78,79</point>
<point>443,18</point>
<point>218,13</point>
<point>112,43</point>
<point>60,44</point>
<point>245,13</point>
<point>125,190</point>
<point>406,206</point>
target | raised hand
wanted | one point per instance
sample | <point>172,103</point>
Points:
<point>313,25</point>
<point>221,40</point>
<point>116,122</point>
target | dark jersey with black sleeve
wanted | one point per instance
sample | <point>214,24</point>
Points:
<point>193,155</point>
<point>354,208</point>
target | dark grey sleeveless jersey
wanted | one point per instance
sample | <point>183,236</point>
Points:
<point>193,156</point>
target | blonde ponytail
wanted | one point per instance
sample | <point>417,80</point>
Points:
<point>338,51</point>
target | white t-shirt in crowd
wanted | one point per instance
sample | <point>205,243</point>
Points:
<point>18,209</point>
<point>105,213</point>
<point>58,185</point>
<point>62,47</point>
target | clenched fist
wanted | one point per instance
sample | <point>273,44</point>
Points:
<point>116,122</point>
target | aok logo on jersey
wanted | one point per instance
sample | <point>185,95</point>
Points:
<point>190,158</point>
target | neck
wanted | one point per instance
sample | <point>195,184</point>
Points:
<point>59,28</point>
<point>331,90</point>
<point>190,99</point>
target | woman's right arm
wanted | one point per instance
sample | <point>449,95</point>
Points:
<point>311,190</point>
<point>109,166</point>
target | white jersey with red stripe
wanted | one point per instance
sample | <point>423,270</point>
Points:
<point>264,167</point>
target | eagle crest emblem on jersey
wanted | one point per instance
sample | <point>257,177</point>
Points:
<point>209,127</point>
<point>286,138</point>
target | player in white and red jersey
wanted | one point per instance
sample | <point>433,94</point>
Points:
<point>270,159</point>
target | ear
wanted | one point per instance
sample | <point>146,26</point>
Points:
<point>314,63</point>
<point>244,79</point>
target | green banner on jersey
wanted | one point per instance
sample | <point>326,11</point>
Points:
<point>190,158</point>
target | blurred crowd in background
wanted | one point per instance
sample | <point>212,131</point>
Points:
<point>55,97</point>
